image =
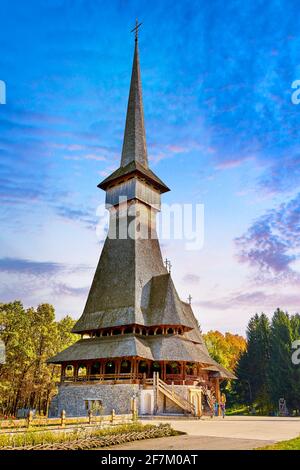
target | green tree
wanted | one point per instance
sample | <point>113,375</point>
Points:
<point>252,384</point>
<point>284,377</point>
<point>31,336</point>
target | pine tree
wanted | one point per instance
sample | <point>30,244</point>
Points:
<point>282,375</point>
<point>252,385</point>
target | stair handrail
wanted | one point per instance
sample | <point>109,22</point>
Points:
<point>181,400</point>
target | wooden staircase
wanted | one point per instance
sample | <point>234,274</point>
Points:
<point>168,391</point>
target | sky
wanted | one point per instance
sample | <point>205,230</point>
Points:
<point>221,128</point>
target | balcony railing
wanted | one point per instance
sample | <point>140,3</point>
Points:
<point>101,378</point>
<point>131,378</point>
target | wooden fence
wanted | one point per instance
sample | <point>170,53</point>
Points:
<point>63,421</point>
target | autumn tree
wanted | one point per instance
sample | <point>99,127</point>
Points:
<point>225,349</point>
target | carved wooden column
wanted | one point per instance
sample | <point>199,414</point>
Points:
<point>132,370</point>
<point>183,371</point>
<point>117,368</point>
<point>164,371</point>
<point>62,372</point>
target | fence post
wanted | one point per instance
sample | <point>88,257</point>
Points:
<point>90,416</point>
<point>113,414</point>
<point>29,418</point>
<point>63,418</point>
<point>133,409</point>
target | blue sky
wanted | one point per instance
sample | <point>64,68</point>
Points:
<point>221,130</point>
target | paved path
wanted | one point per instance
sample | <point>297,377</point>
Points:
<point>231,433</point>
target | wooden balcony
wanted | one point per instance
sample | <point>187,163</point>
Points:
<point>143,379</point>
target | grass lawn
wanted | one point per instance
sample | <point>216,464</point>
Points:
<point>292,444</point>
<point>242,410</point>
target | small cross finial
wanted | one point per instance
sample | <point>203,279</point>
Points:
<point>190,299</point>
<point>136,29</point>
<point>168,264</point>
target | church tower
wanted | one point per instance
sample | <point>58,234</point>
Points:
<point>137,336</point>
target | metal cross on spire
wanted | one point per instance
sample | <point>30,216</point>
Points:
<point>168,265</point>
<point>136,29</point>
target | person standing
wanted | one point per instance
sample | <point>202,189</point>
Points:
<point>223,405</point>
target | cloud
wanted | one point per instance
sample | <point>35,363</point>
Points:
<point>282,175</point>
<point>37,281</point>
<point>255,301</point>
<point>238,299</point>
<point>161,151</point>
<point>25,266</point>
<point>62,289</point>
<point>272,243</point>
<point>191,278</point>
<point>86,216</point>
<point>229,164</point>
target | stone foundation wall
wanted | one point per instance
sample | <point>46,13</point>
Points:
<point>165,405</point>
<point>72,398</point>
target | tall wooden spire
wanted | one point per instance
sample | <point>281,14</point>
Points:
<point>134,143</point>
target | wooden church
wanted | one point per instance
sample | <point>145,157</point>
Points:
<point>139,340</point>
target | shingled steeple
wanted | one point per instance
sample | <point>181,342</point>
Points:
<point>134,159</point>
<point>134,143</point>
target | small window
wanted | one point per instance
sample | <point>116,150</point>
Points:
<point>116,332</point>
<point>95,368</point>
<point>128,330</point>
<point>125,367</point>
<point>110,367</point>
<point>143,366</point>
<point>69,370</point>
<point>82,371</point>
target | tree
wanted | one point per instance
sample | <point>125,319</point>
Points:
<point>225,349</point>
<point>31,337</point>
<point>284,377</point>
<point>252,385</point>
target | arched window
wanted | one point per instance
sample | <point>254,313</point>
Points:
<point>150,332</point>
<point>180,331</point>
<point>116,332</point>
<point>143,367</point>
<point>110,367</point>
<point>170,331</point>
<point>191,368</point>
<point>69,370</point>
<point>175,368</point>
<point>82,371</point>
<point>155,367</point>
<point>95,368</point>
<point>128,330</point>
<point>125,367</point>
<point>159,331</point>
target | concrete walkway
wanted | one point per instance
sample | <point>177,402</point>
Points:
<point>231,433</point>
